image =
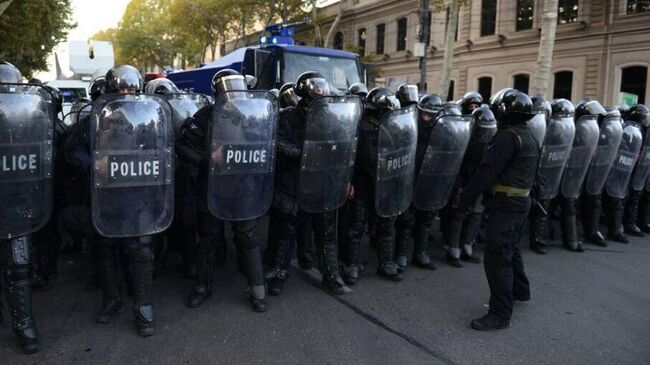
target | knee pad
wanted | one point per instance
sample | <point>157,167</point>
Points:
<point>384,227</point>
<point>20,250</point>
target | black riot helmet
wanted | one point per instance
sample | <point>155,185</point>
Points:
<point>541,105</point>
<point>381,99</point>
<point>97,87</point>
<point>450,108</point>
<point>288,95</point>
<point>228,80</point>
<point>484,126</point>
<point>407,94</point>
<point>123,78</point>
<point>562,108</point>
<point>589,107</point>
<point>495,101</point>
<point>275,92</point>
<point>57,98</point>
<point>623,109</point>
<point>514,107</point>
<point>360,89</point>
<point>160,86</point>
<point>470,102</point>
<point>609,113</point>
<point>311,85</point>
<point>431,104</point>
<point>9,74</point>
<point>639,113</point>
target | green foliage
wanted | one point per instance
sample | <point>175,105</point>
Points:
<point>29,30</point>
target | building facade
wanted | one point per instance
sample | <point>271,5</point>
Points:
<point>602,46</point>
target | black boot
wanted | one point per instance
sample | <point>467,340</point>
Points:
<point>615,221</point>
<point>276,273</point>
<point>539,228</point>
<point>329,268</point>
<point>144,323</point>
<point>112,304</point>
<point>141,259</point>
<point>386,266</point>
<point>490,322</point>
<point>570,234</point>
<point>402,238</point>
<point>19,302</point>
<point>421,258</point>
<point>200,294</point>
<point>644,214</point>
<point>591,220</point>
<point>256,287</point>
<point>631,214</point>
<point>351,246</point>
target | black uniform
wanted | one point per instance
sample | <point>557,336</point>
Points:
<point>505,177</point>
<point>191,148</point>
<point>416,223</point>
<point>286,217</point>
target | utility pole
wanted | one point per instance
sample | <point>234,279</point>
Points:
<point>546,46</point>
<point>425,30</point>
<point>452,25</point>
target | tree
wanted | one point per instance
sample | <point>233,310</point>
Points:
<point>30,30</point>
<point>343,5</point>
<point>452,26</point>
<point>546,45</point>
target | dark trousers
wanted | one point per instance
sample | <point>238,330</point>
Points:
<point>504,266</point>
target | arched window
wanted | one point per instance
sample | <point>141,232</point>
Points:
<point>634,80</point>
<point>338,40</point>
<point>521,82</point>
<point>485,87</point>
<point>563,85</point>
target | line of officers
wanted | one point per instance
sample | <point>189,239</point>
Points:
<point>328,167</point>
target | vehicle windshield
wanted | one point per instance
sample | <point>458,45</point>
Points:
<point>340,72</point>
<point>72,94</point>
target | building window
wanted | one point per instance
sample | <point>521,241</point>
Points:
<point>488,17</point>
<point>567,11</point>
<point>485,87</point>
<point>563,85</point>
<point>634,81</point>
<point>361,41</point>
<point>338,40</point>
<point>401,34</point>
<point>637,6</point>
<point>521,82</point>
<point>381,33</point>
<point>525,12</point>
<point>450,92</point>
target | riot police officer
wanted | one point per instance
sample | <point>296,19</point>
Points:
<point>359,89</point>
<point>236,198</point>
<point>505,177</point>
<point>383,179</point>
<point>640,174</point>
<point>611,131</point>
<point>161,86</point>
<point>470,101</point>
<point>617,184</point>
<point>464,228</point>
<point>407,94</point>
<point>118,122</point>
<point>302,194</point>
<point>26,119</point>
<point>555,153</point>
<point>416,223</point>
<point>288,97</point>
<point>584,146</point>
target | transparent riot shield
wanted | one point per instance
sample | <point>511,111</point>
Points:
<point>537,125</point>
<point>628,151</point>
<point>328,152</point>
<point>26,130</point>
<point>585,143</point>
<point>132,141</point>
<point>396,147</point>
<point>441,163</point>
<point>184,106</point>
<point>642,168</point>
<point>242,154</point>
<point>555,154</point>
<point>611,131</point>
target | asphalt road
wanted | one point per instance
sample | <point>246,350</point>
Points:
<point>590,308</point>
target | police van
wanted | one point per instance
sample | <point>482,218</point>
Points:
<point>275,61</point>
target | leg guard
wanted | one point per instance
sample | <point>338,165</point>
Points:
<point>568,224</point>
<point>632,213</point>
<point>403,233</point>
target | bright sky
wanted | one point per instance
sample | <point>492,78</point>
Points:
<point>91,16</point>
